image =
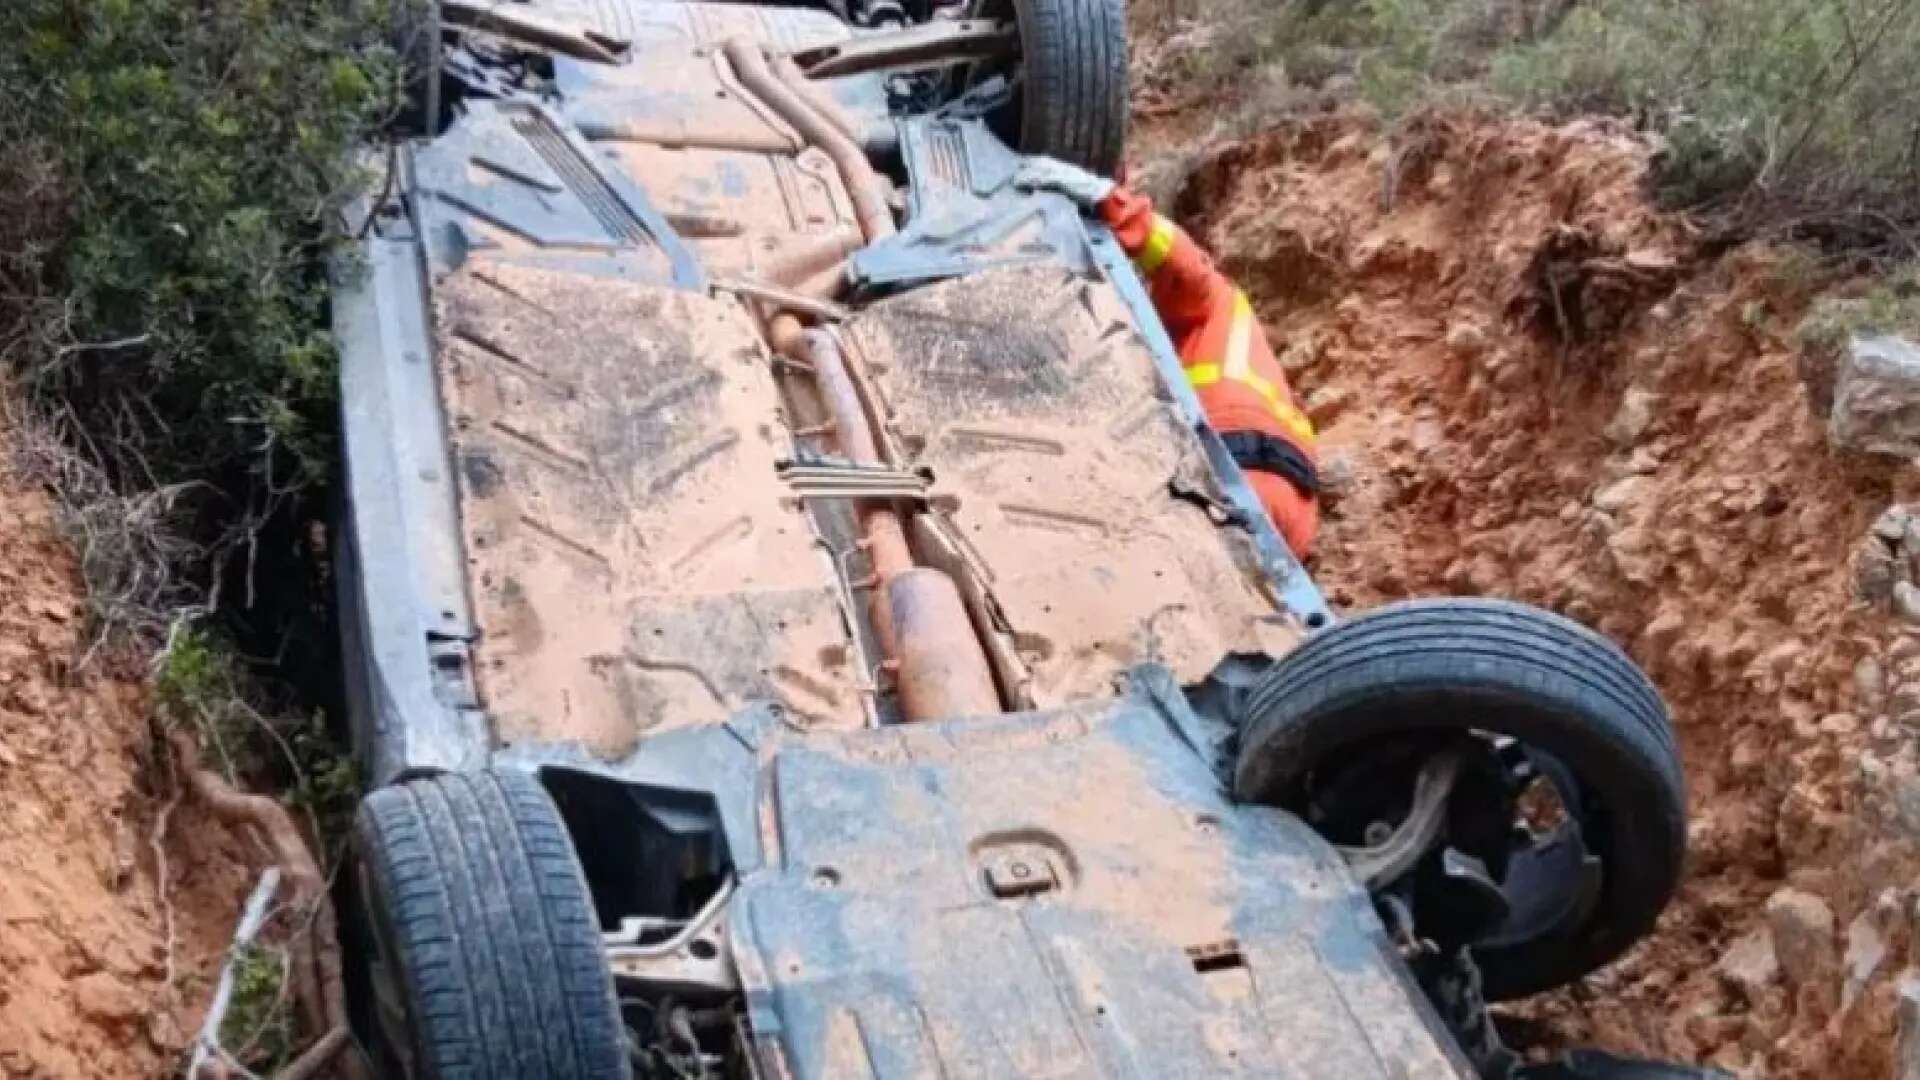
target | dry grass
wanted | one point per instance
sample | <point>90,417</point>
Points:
<point>1784,119</point>
<point>135,558</point>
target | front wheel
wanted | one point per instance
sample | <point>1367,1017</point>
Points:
<point>1553,833</point>
<point>486,954</point>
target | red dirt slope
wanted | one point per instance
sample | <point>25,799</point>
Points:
<point>1532,385</point>
<point>84,954</point>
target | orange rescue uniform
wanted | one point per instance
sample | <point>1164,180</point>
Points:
<point>1227,358</point>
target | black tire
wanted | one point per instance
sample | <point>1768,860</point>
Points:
<point>485,933</point>
<point>1498,667</point>
<point>1072,101</point>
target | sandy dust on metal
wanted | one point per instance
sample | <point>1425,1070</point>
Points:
<point>632,564</point>
<point>1032,398</point>
<point>635,565</point>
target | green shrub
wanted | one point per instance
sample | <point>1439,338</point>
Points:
<point>1203,49</point>
<point>1891,306</point>
<point>174,301</point>
<point>258,1027</point>
<point>1779,117</point>
<point>1799,118</point>
<point>251,731</point>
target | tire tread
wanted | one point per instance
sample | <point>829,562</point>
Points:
<point>1076,80</point>
<point>1504,666</point>
<point>493,930</point>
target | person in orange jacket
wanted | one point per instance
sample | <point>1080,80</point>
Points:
<point>1227,358</point>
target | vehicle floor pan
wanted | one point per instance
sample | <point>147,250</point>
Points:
<point>632,561</point>
<point>1031,397</point>
<point>1067,894</point>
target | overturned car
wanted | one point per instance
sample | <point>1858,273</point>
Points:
<point>799,622</point>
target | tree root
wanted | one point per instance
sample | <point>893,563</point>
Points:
<point>317,1056</point>
<point>313,959</point>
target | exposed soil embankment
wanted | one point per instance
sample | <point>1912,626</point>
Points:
<point>1531,385</point>
<point>105,968</point>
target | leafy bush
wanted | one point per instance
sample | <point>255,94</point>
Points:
<point>171,176</point>
<point>1891,306</point>
<point>251,731</point>
<point>1783,117</point>
<point>259,1021</point>
<point>1800,117</point>
<point>170,302</point>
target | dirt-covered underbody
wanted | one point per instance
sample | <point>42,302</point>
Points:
<point>826,523</point>
<point>647,546</point>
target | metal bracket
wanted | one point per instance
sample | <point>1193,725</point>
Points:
<point>697,958</point>
<point>1386,858</point>
<point>525,27</point>
<point>933,44</point>
<point>993,92</point>
<point>842,480</point>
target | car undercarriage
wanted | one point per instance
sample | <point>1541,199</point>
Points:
<point>799,618</point>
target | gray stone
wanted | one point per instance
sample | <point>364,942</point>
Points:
<point>1906,805</point>
<point>1906,1054</point>
<point>1327,403</point>
<point>1866,950</point>
<point>1904,698</point>
<point>1876,397</point>
<point>1869,683</point>
<point>1749,964</point>
<point>1620,493</point>
<point>1337,473</point>
<point>1906,600</point>
<point>1509,374</point>
<point>1875,572</point>
<point>1803,936</point>
<point>1892,523</point>
<point>1631,420</point>
<point>1466,340</point>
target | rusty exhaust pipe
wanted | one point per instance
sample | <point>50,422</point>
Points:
<point>863,184</point>
<point>943,671</point>
<point>815,98</point>
<point>925,634</point>
<point>924,631</point>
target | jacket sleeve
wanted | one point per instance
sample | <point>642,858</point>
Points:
<point>1186,287</point>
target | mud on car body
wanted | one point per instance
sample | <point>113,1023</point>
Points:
<point>800,625</point>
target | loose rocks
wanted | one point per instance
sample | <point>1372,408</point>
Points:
<point>1876,397</point>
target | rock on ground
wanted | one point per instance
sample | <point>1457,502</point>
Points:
<point>1750,965</point>
<point>1803,929</point>
<point>1906,1065</point>
<point>1876,397</point>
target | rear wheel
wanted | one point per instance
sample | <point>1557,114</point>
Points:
<point>1554,834</point>
<point>1069,93</point>
<point>486,953</point>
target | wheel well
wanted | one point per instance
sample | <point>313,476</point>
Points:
<point>646,849</point>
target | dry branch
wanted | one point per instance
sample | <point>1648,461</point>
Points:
<point>206,1046</point>
<point>313,960</point>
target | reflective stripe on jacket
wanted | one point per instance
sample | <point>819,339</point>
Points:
<point>1234,373</point>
